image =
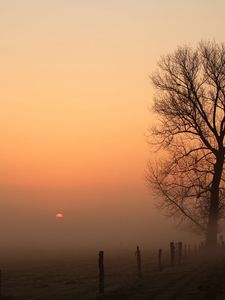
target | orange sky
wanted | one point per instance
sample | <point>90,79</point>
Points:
<point>74,104</point>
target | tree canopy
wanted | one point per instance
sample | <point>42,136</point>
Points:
<point>189,104</point>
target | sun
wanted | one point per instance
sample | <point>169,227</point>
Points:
<point>59,216</point>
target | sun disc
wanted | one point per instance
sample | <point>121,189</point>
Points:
<point>59,216</point>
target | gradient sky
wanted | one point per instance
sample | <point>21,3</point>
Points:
<point>74,113</point>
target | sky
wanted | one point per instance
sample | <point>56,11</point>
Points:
<point>75,108</point>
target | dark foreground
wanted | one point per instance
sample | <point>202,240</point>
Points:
<point>203,282</point>
<point>67,280</point>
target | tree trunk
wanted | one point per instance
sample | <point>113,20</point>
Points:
<point>212,228</point>
<point>211,235</point>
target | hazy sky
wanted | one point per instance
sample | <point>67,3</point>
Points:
<point>74,113</point>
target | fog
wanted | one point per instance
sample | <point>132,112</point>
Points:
<point>93,220</point>
<point>73,120</point>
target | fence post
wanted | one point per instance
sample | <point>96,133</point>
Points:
<point>180,253</point>
<point>138,254</point>
<point>160,260</point>
<point>101,271</point>
<point>172,253</point>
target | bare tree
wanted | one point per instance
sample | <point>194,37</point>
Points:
<point>190,105</point>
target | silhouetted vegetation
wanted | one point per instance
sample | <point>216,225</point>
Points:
<point>190,106</point>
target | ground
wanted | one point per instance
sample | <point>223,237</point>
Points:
<point>201,282</point>
<point>196,278</point>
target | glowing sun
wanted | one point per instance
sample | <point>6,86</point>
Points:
<point>59,216</point>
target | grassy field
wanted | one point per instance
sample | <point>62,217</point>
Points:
<point>67,279</point>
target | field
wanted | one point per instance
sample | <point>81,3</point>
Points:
<point>65,279</point>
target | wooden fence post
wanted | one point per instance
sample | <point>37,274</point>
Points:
<point>160,260</point>
<point>138,254</point>
<point>101,271</point>
<point>180,253</point>
<point>172,253</point>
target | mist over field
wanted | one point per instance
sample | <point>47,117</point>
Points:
<point>115,221</point>
<point>75,111</point>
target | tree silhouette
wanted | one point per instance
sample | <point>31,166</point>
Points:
<point>190,106</point>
